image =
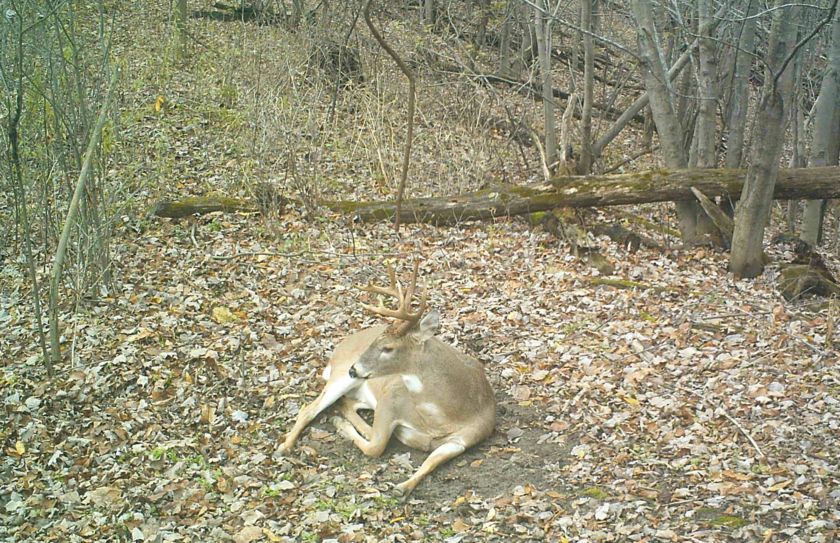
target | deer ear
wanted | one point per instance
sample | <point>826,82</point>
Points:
<point>428,326</point>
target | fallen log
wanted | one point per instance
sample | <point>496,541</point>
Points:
<point>571,191</point>
<point>199,205</point>
<point>593,191</point>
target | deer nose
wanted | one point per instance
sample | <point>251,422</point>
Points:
<point>352,372</point>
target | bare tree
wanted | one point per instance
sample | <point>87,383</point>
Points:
<point>754,209</point>
<point>665,115</point>
<point>542,27</point>
<point>181,26</point>
<point>825,132</point>
<point>586,21</point>
<point>13,80</point>
<point>51,77</point>
<point>703,143</point>
<point>505,39</point>
<point>738,103</point>
<point>429,12</point>
<point>409,138</point>
<point>69,221</point>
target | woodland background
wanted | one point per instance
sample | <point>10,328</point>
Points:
<point>150,365</point>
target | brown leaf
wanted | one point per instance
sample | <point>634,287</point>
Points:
<point>105,496</point>
<point>248,534</point>
<point>521,393</point>
<point>781,485</point>
<point>558,426</point>
<point>734,475</point>
<point>539,375</point>
<point>460,526</point>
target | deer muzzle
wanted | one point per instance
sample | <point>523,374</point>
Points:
<point>355,375</point>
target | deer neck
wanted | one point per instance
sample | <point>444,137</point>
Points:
<point>420,373</point>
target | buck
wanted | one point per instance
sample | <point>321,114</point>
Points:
<point>429,395</point>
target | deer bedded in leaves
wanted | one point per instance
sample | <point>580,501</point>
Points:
<point>429,395</point>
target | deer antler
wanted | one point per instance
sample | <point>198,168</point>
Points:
<point>403,313</point>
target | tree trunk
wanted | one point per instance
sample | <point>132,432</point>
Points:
<point>658,86</point>
<point>483,19</point>
<point>505,68</point>
<point>798,152</point>
<point>739,97</point>
<point>584,165</point>
<point>542,27</point>
<point>754,210</point>
<point>825,133</point>
<point>592,191</point>
<point>704,128</point>
<point>642,101</point>
<point>703,143</point>
<point>638,105</point>
<point>429,13</point>
<point>181,26</point>
<point>528,45</point>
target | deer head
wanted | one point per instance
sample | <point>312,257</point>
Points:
<point>398,346</point>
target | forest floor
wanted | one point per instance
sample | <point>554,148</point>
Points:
<point>690,407</point>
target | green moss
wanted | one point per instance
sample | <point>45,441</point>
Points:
<point>595,492</point>
<point>537,217</point>
<point>730,521</point>
<point>519,190</point>
<point>715,517</point>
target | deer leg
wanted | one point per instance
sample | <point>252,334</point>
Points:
<point>349,410</point>
<point>447,451</point>
<point>333,390</point>
<point>383,427</point>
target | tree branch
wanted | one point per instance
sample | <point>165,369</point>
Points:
<point>411,97</point>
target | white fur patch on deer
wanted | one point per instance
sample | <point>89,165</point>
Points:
<point>413,383</point>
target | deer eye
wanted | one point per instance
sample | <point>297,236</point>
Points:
<point>387,350</point>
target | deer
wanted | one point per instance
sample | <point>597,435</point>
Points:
<point>428,394</point>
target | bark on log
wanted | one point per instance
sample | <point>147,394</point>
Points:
<point>572,191</point>
<point>199,205</point>
<point>593,191</point>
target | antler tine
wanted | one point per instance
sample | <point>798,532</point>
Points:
<point>395,284</point>
<point>394,288</point>
<point>413,283</point>
<point>404,297</point>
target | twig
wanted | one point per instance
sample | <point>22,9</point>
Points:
<point>729,418</point>
<point>543,162</point>
<point>630,159</point>
<point>733,315</point>
<point>743,431</point>
<point>795,49</point>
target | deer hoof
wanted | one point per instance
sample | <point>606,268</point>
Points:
<point>284,448</point>
<point>404,489</point>
<point>341,425</point>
